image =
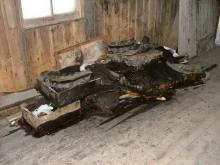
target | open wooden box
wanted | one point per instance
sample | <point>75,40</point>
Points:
<point>37,122</point>
<point>67,96</point>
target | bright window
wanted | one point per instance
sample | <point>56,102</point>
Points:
<point>36,8</point>
<point>63,6</point>
<point>43,12</point>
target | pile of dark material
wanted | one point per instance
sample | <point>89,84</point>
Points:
<point>65,86</point>
<point>133,74</point>
<point>139,73</point>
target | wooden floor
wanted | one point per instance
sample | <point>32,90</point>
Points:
<point>183,131</point>
<point>14,99</point>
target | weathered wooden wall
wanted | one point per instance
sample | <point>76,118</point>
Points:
<point>123,19</point>
<point>113,19</point>
<point>198,20</point>
<point>207,20</point>
<point>26,53</point>
<point>12,59</point>
<point>43,43</point>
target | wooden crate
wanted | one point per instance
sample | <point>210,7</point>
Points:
<point>36,122</point>
<point>67,96</point>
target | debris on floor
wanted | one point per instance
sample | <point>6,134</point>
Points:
<point>133,73</point>
<point>13,119</point>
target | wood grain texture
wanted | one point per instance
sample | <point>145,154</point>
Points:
<point>12,61</point>
<point>30,52</point>
<point>198,20</point>
<point>124,19</point>
<point>42,43</point>
<point>207,20</point>
<point>187,30</point>
<point>27,53</point>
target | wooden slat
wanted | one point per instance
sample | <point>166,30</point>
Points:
<point>131,17</point>
<point>5,60</point>
<point>16,99</point>
<point>115,24</point>
<point>124,19</point>
<point>198,20</point>
<point>27,53</point>
<point>13,74</point>
<point>123,24</point>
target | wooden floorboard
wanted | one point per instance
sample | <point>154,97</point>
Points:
<point>182,131</point>
<point>14,99</point>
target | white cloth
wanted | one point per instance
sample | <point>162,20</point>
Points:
<point>175,54</point>
<point>47,109</point>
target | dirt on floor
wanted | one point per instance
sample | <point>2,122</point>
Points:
<point>184,130</point>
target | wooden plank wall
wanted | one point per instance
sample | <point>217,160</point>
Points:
<point>122,19</point>
<point>26,53</point>
<point>187,30</point>
<point>12,60</point>
<point>43,43</point>
<point>115,20</point>
<point>198,20</point>
<point>207,21</point>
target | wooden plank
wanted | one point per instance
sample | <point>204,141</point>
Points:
<point>14,99</point>
<point>123,23</point>
<point>9,111</point>
<point>173,29</point>
<point>108,16</point>
<point>187,30</point>
<point>131,17</point>
<point>14,48</point>
<point>144,17</point>
<point>139,20</point>
<point>206,21</point>
<point>115,21</point>
<point>198,20</point>
<point>40,51</point>
<point>5,60</point>
<point>90,11</point>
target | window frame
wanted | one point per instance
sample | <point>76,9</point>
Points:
<point>54,18</point>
